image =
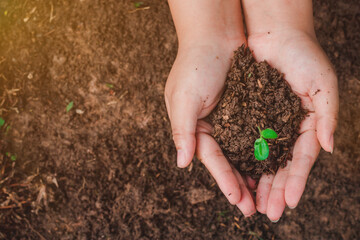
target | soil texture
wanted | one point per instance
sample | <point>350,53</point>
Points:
<point>107,168</point>
<point>256,95</point>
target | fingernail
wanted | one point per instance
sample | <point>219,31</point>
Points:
<point>275,221</point>
<point>331,141</point>
<point>180,158</point>
<point>292,207</point>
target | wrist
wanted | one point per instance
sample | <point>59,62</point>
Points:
<point>205,22</point>
<point>216,42</point>
<point>283,36</point>
<point>279,17</point>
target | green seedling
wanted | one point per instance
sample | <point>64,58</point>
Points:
<point>109,85</point>
<point>2,122</point>
<point>138,4</point>
<point>69,106</point>
<point>11,156</point>
<point>7,129</point>
<point>261,147</point>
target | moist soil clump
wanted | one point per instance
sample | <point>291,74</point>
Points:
<point>256,95</point>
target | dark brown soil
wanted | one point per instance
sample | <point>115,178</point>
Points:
<point>256,95</point>
<point>110,172</point>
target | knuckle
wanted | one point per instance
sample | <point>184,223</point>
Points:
<point>298,176</point>
<point>177,136</point>
<point>307,160</point>
<point>332,119</point>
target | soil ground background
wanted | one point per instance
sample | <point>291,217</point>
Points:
<point>106,169</point>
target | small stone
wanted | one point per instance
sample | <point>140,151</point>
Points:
<point>79,111</point>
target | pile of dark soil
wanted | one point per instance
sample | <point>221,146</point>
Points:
<point>256,95</point>
<point>107,168</point>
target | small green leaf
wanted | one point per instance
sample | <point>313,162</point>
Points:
<point>261,149</point>
<point>13,157</point>
<point>69,106</point>
<point>249,75</point>
<point>138,4</point>
<point>2,122</point>
<point>109,85</point>
<point>7,154</point>
<point>269,134</point>
<point>222,214</point>
<point>7,129</point>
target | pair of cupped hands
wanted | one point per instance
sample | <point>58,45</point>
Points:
<point>195,85</point>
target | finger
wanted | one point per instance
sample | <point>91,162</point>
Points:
<point>204,127</point>
<point>183,116</point>
<point>263,192</point>
<point>251,183</point>
<point>276,202</point>
<point>210,154</point>
<point>306,150</point>
<point>309,123</point>
<point>326,104</point>
<point>246,204</point>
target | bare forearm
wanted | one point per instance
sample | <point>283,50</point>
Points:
<point>201,19</point>
<point>264,16</point>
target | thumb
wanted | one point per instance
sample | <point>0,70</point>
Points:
<point>326,103</point>
<point>184,111</point>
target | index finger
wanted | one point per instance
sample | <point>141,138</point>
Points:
<point>210,154</point>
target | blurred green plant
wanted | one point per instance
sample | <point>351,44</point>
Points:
<point>2,122</point>
<point>109,85</point>
<point>69,106</point>
<point>138,4</point>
